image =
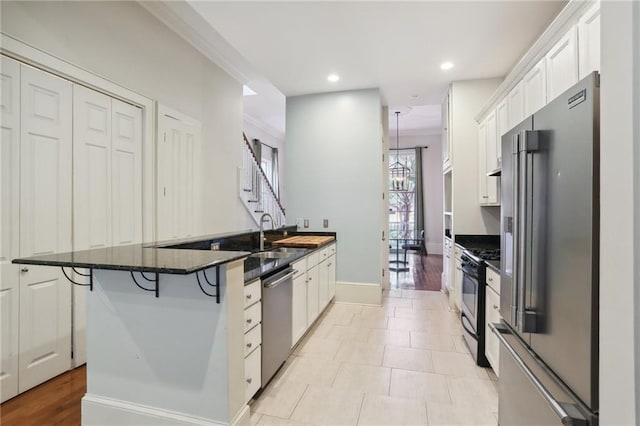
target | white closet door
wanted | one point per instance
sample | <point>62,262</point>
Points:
<point>45,225</point>
<point>91,193</point>
<point>9,226</point>
<point>178,165</point>
<point>126,173</point>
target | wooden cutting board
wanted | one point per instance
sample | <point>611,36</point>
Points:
<point>303,241</point>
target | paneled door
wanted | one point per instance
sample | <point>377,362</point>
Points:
<point>9,226</point>
<point>91,194</point>
<point>45,225</point>
<point>178,160</point>
<point>126,138</point>
<point>107,185</point>
<point>562,65</point>
<point>534,86</point>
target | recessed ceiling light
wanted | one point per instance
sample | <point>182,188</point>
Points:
<point>246,91</point>
<point>333,78</point>
<point>446,65</point>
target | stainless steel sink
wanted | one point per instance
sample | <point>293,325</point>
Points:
<point>271,255</point>
<point>292,250</point>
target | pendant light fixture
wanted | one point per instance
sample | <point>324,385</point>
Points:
<point>398,172</point>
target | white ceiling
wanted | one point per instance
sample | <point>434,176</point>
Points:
<point>396,46</point>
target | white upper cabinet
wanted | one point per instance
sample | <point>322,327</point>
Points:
<point>515,99</point>
<point>534,86</point>
<point>503,124</point>
<point>562,65</point>
<point>589,41</point>
<point>483,198</point>
<point>492,142</point>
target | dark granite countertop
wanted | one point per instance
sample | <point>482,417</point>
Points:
<point>138,257</point>
<point>183,256</point>
<point>478,241</point>
<point>493,264</point>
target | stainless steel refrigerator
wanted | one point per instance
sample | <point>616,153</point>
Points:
<point>549,263</point>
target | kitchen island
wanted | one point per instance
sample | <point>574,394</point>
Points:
<point>164,334</point>
<point>166,328</point>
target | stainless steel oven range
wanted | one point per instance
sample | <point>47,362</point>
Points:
<point>472,313</point>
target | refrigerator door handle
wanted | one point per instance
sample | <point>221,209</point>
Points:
<point>567,413</point>
<point>526,321</point>
<point>516,230</point>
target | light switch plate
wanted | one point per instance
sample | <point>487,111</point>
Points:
<point>325,223</point>
<point>306,223</point>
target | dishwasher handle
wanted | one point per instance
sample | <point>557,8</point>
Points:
<point>279,279</point>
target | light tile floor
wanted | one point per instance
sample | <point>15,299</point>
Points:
<point>404,363</point>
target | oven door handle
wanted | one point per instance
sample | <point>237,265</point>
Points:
<point>464,318</point>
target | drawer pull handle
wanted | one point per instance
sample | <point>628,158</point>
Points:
<point>249,345</point>
<point>489,279</point>
<point>249,380</point>
<point>310,279</point>
<point>249,321</point>
<point>495,306</point>
<point>249,296</point>
<point>24,269</point>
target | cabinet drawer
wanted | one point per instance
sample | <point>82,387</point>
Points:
<point>253,373</point>
<point>252,339</point>
<point>252,316</point>
<point>300,267</point>
<point>493,280</point>
<point>332,249</point>
<point>252,293</point>
<point>313,259</point>
<point>323,254</point>
<point>492,344</point>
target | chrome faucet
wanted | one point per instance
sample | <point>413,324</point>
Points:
<point>262,221</point>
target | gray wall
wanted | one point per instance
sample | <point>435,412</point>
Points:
<point>432,191</point>
<point>122,42</point>
<point>334,171</point>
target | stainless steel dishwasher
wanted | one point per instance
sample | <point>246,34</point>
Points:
<point>277,293</point>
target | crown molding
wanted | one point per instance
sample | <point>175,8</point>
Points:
<point>566,18</point>
<point>182,19</point>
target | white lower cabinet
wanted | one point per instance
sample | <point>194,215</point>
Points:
<point>312,294</point>
<point>253,372</point>
<point>252,338</point>
<point>314,286</point>
<point>332,276</point>
<point>492,314</point>
<point>299,302</point>
<point>457,286</point>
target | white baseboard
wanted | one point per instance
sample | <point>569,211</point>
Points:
<point>97,410</point>
<point>434,248</point>
<point>360,293</point>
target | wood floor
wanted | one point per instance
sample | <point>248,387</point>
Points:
<point>56,402</point>
<point>426,275</point>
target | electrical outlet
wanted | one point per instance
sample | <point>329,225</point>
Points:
<point>306,223</point>
<point>325,223</point>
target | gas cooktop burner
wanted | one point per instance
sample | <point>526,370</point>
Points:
<point>485,254</point>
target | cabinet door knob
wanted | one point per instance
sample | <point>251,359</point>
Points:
<point>249,380</point>
<point>249,345</point>
<point>495,306</point>
<point>25,269</point>
<point>310,279</point>
<point>489,279</point>
<point>249,321</point>
<point>249,296</point>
